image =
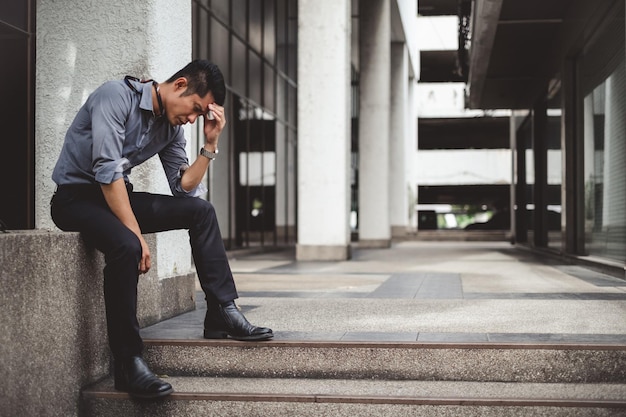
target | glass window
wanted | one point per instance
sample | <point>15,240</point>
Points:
<point>269,31</point>
<point>247,39</point>
<point>220,9</point>
<point>256,25</point>
<point>201,40</point>
<point>603,76</point>
<point>238,69</point>
<point>257,168</point>
<point>239,21</point>
<point>269,87</point>
<point>219,50</point>
<point>255,77</point>
<point>605,167</point>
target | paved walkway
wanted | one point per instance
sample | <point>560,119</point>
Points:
<point>422,291</point>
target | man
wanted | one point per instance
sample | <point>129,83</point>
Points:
<point>121,125</point>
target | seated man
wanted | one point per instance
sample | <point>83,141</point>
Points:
<point>122,124</point>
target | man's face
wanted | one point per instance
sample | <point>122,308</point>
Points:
<point>182,109</point>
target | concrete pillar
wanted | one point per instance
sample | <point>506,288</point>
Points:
<point>324,29</point>
<point>374,64</point>
<point>399,136</point>
<point>77,50</point>
<point>411,146</point>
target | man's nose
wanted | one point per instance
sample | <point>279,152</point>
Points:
<point>192,118</point>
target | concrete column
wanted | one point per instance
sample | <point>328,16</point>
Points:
<point>77,50</point>
<point>399,136</point>
<point>374,64</point>
<point>324,30</point>
<point>411,155</point>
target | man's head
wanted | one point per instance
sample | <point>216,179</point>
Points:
<point>202,77</point>
<point>188,93</point>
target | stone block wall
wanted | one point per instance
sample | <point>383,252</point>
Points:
<point>53,337</point>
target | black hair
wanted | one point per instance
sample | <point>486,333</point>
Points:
<point>202,77</point>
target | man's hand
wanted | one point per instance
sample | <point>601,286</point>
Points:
<point>116,197</point>
<point>145,263</point>
<point>213,127</point>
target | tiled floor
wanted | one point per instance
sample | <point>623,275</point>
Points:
<point>425,292</point>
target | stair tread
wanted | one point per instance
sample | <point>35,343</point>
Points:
<point>265,389</point>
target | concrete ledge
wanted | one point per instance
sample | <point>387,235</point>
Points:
<point>53,337</point>
<point>464,235</point>
<point>322,252</point>
<point>374,243</point>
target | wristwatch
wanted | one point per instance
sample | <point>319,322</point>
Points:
<point>207,154</point>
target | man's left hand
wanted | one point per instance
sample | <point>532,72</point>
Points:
<point>213,127</point>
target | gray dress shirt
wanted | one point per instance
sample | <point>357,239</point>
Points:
<point>116,130</point>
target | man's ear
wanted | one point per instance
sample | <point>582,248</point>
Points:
<point>180,84</point>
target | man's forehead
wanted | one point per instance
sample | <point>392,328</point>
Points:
<point>206,100</point>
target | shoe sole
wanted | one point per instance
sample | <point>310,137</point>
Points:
<point>152,396</point>
<point>146,396</point>
<point>225,335</point>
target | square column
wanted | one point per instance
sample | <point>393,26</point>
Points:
<point>399,134</point>
<point>324,33</point>
<point>374,114</point>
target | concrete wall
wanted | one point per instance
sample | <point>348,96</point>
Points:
<point>79,46</point>
<point>53,337</point>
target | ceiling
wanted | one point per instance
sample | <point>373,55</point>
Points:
<point>437,7</point>
<point>512,48</point>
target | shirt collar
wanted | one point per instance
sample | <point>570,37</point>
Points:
<point>146,97</point>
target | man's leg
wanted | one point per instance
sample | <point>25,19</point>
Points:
<point>160,212</point>
<point>83,209</point>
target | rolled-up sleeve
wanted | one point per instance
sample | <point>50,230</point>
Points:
<point>109,107</point>
<point>175,162</point>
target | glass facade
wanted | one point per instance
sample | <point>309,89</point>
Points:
<point>17,49</point>
<point>603,77</point>
<point>254,43</point>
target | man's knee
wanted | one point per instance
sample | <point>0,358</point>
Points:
<point>128,248</point>
<point>203,209</point>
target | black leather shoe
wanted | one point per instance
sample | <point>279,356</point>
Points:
<point>225,320</point>
<point>134,377</point>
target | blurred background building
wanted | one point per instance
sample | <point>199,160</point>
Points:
<point>517,106</point>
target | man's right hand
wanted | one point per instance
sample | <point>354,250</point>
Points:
<point>116,197</point>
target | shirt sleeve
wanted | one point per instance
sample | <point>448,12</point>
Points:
<point>175,162</point>
<point>109,108</point>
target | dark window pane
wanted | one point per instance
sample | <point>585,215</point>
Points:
<point>269,31</point>
<point>255,25</point>
<point>268,88</point>
<point>255,78</point>
<point>219,47</point>
<point>220,8</point>
<point>239,67</point>
<point>201,41</point>
<point>239,17</point>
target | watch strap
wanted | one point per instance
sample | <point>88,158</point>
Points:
<point>207,154</point>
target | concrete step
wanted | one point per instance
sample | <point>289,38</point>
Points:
<point>420,361</point>
<point>223,396</point>
<point>313,378</point>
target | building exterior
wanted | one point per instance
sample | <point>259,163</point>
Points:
<point>298,165</point>
<point>558,68</point>
<point>318,150</point>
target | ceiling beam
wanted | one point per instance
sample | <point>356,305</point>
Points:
<point>485,22</point>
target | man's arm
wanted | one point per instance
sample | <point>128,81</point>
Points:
<point>212,129</point>
<point>116,197</point>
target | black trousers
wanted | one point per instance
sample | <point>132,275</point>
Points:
<point>82,208</point>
